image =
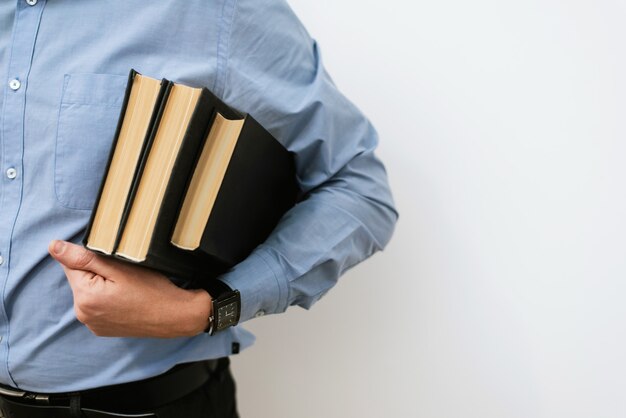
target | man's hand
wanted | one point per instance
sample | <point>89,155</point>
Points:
<point>115,299</point>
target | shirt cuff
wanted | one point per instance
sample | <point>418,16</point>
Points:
<point>262,289</point>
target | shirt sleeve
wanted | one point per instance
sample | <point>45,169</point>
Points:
<point>271,68</point>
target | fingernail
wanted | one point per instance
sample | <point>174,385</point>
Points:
<point>58,247</point>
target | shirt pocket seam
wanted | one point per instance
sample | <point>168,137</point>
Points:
<point>64,198</point>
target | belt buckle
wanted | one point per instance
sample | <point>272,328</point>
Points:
<point>20,394</point>
<point>12,393</point>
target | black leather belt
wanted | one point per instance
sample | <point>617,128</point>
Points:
<point>134,399</point>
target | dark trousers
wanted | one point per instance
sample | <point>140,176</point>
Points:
<point>214,399</point>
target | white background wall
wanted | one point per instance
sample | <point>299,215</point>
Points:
<point>502,293</point>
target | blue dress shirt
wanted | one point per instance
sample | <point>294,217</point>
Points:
<point>63,71</point>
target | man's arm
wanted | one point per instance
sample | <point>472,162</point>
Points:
<point>273,70</point>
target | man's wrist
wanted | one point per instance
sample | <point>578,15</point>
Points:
<point>199,310</point>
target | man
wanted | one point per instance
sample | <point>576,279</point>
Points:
<point>77,330</point>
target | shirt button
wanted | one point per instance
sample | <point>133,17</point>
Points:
<point>1,260</point>
<point>11,173</point>
<point>31,2</point>
<point>259,314</point>
<point>14,84</point>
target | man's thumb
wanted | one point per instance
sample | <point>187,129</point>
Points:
<point>73,256</point>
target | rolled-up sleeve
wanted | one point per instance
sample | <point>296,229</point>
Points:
<point>271,68</point>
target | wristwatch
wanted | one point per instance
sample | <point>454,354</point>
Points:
<point>226,306</point>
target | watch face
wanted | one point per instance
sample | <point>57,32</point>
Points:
<point>227,315</point>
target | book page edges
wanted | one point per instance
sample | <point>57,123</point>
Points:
<point>205,183</point>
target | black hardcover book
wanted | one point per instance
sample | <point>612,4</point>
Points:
<point>259,186</point>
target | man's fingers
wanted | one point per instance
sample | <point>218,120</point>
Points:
<point>80,279</point>
<point>76,257</point>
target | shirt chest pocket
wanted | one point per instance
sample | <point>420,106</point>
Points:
<point>90,107</point>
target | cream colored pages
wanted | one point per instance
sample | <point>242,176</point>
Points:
<point>205,182</point>
<point>141,102</point>
<point>139,227</point>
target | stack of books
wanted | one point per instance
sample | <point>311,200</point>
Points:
<point>192,186</point>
